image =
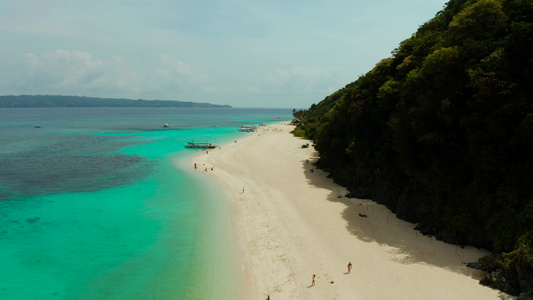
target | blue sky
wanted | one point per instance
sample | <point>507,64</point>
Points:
<point>272,53</point>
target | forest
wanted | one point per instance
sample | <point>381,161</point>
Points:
<point>442,132</point>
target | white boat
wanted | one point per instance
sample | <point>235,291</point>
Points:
<point>248,128</point>
<point>200,145</point>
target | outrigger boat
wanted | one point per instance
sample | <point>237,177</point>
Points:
<point>200,145</point>
<point>248,128</point>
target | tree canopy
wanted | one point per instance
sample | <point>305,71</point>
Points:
<point>442,131</point>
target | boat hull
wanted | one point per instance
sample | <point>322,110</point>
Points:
<point>200,146</point>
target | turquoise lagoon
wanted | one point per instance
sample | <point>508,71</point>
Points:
<point>99,203</point>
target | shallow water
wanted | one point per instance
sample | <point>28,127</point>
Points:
<point>96,204</point>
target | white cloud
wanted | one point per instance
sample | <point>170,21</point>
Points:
<point>80,73</point>
<point>298,79</point>
<point>71,70</point>
<point>228,52</point>
<point>174,70</point>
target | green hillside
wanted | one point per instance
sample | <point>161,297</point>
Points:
<point>442,131</point>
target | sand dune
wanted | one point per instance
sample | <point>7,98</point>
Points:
<point>292,224</point>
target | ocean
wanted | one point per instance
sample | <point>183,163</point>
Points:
<point>98,203</point>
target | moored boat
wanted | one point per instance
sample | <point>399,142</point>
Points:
<point>248,128</point>
<point>200,145</point>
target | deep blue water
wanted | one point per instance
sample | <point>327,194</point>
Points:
<point>95,204</point>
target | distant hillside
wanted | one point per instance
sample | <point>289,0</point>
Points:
<point>75,101</point>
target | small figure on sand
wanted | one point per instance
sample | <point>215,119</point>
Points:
<point>195,165</point>
<point>268,297</point>
<point>243,189</point>
<point>313,282</point>
<point>349,267</point>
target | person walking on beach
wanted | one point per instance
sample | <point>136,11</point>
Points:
<point>313,282</point>
<point>349,267</point>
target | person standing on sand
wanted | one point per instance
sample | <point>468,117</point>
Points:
<point>349,267</point>
<point>313,282</point>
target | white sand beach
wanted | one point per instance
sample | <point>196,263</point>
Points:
<point>291,224</point>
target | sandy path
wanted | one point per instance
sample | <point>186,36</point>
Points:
<point>291,225</point>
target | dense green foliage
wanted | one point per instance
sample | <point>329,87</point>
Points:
<point>442,131</point>
<point>316,114</point>
<point>74,101</point>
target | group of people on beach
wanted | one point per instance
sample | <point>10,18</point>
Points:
<point>349,271</point>
<point>205,170</point>
<point>349,266</point>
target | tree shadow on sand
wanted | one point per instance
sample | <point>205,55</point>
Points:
<point>371,222</point>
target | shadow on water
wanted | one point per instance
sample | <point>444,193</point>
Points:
<point>374,223</point>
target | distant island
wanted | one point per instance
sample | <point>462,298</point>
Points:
<point>25,101</point>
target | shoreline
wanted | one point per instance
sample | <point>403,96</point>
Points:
<point>289,223</point>
<point>216,264</point>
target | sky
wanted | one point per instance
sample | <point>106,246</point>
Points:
<point>244,53</point>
